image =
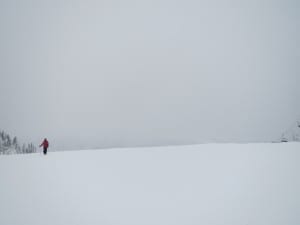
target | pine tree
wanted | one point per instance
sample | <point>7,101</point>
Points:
<point>23,148</point>
<point>1,147</point>
<point>15,141</point>
<point>8,141</point>
<point>2,135</point>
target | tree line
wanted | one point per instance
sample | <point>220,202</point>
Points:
<point>9,145</point>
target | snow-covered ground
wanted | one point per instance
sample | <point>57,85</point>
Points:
<point>209,184</point>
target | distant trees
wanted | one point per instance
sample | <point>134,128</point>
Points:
<point>10,145</point>
<point>292,133</point>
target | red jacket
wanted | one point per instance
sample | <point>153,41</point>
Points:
<point>45,144</point>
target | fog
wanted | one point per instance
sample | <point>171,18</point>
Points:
<point>89,74</point>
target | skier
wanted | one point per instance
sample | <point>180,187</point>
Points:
<point>45,145</point>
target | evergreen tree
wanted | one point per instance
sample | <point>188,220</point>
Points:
<point>23,148</point>
<point>2,135</point>
<point>15,141</point>
<point>8,141</point>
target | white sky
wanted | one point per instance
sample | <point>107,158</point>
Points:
<point>127,73</point>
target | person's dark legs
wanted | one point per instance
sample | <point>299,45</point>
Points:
<point>45,151</point>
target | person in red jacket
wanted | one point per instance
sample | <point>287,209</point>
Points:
<point>45,145</point>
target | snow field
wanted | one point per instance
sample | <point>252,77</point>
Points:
<point>209,184</point>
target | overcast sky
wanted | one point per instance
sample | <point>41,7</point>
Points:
<point>154,72</point>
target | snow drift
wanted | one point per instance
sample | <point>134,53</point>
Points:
<point>212,184</point>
